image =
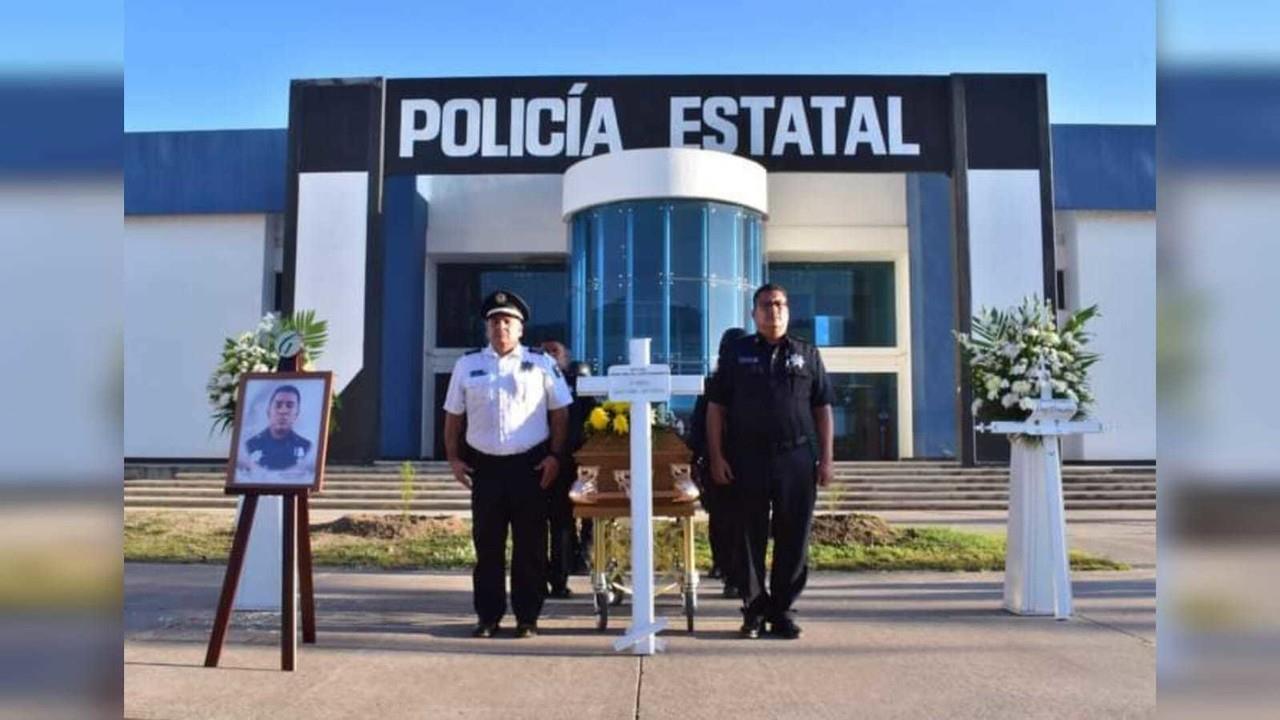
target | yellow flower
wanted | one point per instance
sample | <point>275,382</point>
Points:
<point>620,424</point>
<point>598,419</point>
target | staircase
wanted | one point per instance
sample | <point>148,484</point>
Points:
<point>858,486</point>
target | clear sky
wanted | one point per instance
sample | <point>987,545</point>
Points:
<point>227,63</point>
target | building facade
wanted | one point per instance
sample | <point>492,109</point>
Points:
<point>890,207</point>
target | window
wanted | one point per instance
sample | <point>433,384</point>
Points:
<point>849,304</point>
<point>680,272</point>
<point>865,415</point>
<point>460,288</point>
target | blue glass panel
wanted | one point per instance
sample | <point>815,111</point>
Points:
<point>840,304</point>
<point>677,271</point>
<point>865,415</point>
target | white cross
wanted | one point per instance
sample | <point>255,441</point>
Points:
<point>640,384</point>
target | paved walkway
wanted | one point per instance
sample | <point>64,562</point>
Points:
<point>394,645</point>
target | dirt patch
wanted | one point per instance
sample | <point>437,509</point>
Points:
<point>391,527</point>
<point>853,529</point>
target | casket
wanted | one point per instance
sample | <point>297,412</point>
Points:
<point>604,470</point>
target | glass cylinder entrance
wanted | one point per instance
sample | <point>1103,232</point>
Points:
<point>678,271</point>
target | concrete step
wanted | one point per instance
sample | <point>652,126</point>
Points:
<point>447,487</point>
<point>825,495</point>
<point>902,468</point>
<point>463,508</point>
<point>429,480</point>
<point>460,493</point>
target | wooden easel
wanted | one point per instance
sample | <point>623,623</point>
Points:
<point>296,558</point>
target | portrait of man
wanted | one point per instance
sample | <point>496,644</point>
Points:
<point>280,430</point>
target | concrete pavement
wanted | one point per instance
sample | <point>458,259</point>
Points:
<point>875,645</point>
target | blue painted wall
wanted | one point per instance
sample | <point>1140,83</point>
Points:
<point>933,350</point>
<point>220,171</point>
<point>404,231</point>
<point>1104,167</point>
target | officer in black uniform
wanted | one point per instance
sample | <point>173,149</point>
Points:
<point>769,437</point>
<point>716,499</point>
<point>279,447</point>
<point>565,548</point>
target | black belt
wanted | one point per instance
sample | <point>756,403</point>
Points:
<point>792,444</point>
<point>536,452</point>
<point>772,446</point>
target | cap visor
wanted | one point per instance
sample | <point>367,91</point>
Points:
<point>505,311</point>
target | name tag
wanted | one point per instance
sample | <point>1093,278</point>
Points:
<point>748,360</point>
<point>476,373</point>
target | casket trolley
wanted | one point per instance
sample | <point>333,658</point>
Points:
<point>602,494</point>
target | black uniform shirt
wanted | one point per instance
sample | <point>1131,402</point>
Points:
<point>279,454</point>
<point>770,391</point>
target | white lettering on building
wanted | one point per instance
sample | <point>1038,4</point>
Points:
<point>540,127</point>
<point>712,123</point>
<point>581,125</point>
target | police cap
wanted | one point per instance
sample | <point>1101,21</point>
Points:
<point>505,302</point>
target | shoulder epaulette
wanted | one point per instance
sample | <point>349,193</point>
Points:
<point>537,351</point>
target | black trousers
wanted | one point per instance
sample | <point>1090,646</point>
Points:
<point>773,494</point>
<point>717,501</point>
<point>564,536</point>
<point>505,492</point>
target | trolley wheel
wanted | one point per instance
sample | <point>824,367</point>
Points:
<point>690,609</point>
<point>602,610</point>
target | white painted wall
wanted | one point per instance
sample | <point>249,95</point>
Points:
<point>472,216</point>
<point>1110,260</point>
<point>189,282</point>
<point>837,199</point>
<point>662,173</point>
<point>1005,238</point>
<point>330,270</point>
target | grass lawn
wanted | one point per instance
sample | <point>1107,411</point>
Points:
<point>419,542</point>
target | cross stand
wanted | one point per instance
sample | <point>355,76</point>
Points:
<point>641,384</point>
<point>1037,572</point>
<point>296,564</point>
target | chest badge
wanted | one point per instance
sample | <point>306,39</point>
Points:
<point>795,362</point>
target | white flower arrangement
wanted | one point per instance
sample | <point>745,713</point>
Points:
<point>256,351</point>
<point>1006,350</point>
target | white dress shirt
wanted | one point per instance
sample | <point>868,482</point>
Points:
<point>506,398</point>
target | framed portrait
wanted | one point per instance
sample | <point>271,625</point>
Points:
<point>280,431</point>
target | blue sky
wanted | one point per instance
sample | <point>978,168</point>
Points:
<point>227,64</point>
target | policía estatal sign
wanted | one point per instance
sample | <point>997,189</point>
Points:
<point>545,124</point>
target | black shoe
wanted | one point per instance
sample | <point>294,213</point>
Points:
<point>484,630</point>
<point>729,591</point>
<point>526,630</point>
<point>561,592</point>
<point>751,627</point>
<point>786,628</point>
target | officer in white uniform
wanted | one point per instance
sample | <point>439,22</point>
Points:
<point>514,403</point>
